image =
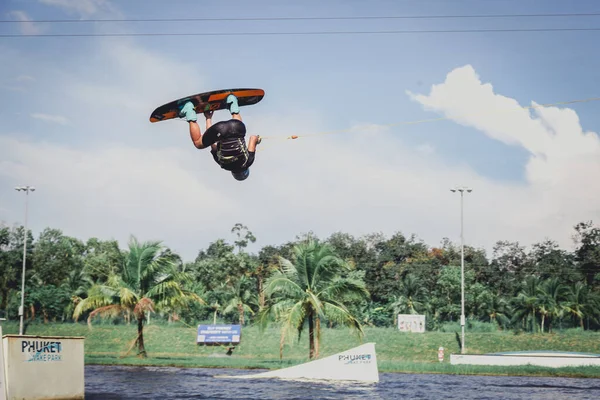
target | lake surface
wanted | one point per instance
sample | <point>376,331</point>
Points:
<point>115,382</point>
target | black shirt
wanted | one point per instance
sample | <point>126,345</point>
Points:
<point>232,154</point>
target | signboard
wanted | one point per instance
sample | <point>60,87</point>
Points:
<point>411,323</point>
<point>219,334</point>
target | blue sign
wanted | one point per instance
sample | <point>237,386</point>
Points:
<point>219,334</point>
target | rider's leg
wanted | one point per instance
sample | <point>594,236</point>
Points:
<point>200,141</point>
<point>233,106</point>
<point>189,113</point>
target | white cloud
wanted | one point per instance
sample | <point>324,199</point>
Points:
<point>132,79</point>
<point>114,191</point>
<point>426,149</point>
<point>127,176</point>
<point>59,119</point>
<point>25,78</point>
<point>81,7</point>
<point>14,88</point>
<point>564,165</point>
<point>26,26</point>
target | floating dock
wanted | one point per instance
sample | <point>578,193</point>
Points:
<point>553,359</point>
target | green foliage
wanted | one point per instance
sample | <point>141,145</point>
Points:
<point>175,345</point>
<point>55,255</point>
<point>11,264</point>
<point>148,280</point>
<point>51,300</point>
<point>217,265</point>
<point>410,298</point>
<point>240,298</point>
<point>311,288</point>
<point>244,236</point>
<point>102,259</point>
<point>588,251</point>
<point>541,288</point>
<point>471,326</point>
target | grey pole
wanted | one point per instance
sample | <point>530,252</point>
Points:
<point>462,267</point>
<point>462,276</point>
<point>26,189</point>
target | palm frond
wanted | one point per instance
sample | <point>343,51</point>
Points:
<point>282,284</point>
<point>128,298</point>
<point>145,304</point>
<point>339,313</point>
<point>166,288</point>
<point>327,266</point>
<point>113,310</point>
<point>348,288</point>
<point>287,268</point>
<point>315,303</point>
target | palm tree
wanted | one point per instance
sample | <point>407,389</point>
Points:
<point>192,290</point>
<point>582,302</point>
<point>551,295</point>
<point>410,297</point>
<point>240,298</point>
<point>495,307</point>
<point>147,279</point>
<point>77,282</point>
<point>309,288</point>
<point>527,302</point>
<point>576,303</point>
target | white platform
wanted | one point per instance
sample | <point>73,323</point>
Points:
<point>553,359</point>
<point>358,364</point>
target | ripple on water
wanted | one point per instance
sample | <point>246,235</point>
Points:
<point>149,383</point>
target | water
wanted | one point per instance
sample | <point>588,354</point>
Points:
<point>148,383</point>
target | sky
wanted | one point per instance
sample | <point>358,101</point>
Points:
<point>74,120</point>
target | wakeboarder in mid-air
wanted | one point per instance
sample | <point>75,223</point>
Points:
<point>227,139</point>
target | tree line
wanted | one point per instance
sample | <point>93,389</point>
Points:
<point>308,282</point>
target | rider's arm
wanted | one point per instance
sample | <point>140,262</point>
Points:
<point>252,143</point>
<point>208,116</point>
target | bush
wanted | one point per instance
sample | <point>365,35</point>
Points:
<point>471,326</point>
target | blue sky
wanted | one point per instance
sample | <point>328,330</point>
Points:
<point>95,94</point>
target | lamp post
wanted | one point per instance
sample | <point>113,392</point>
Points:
<point>26,189</point>
<point>462,189</point>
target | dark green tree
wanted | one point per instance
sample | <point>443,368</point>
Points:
<point>587,255</point>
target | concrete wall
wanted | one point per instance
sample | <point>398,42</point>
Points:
<point>44,367</point>
<point>554,361</point>
<point>2,370</point>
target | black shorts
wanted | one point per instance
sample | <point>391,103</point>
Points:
<point>230,129</point>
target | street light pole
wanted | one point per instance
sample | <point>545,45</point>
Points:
<point>462,267</point>
<point>26,189</point>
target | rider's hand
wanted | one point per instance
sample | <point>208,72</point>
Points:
<point>208,114</point>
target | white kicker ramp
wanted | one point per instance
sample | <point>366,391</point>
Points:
<point>357,364</point>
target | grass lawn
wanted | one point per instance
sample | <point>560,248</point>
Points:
<point>175,345</point>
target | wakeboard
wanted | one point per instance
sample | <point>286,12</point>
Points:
<point>207,101</point>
